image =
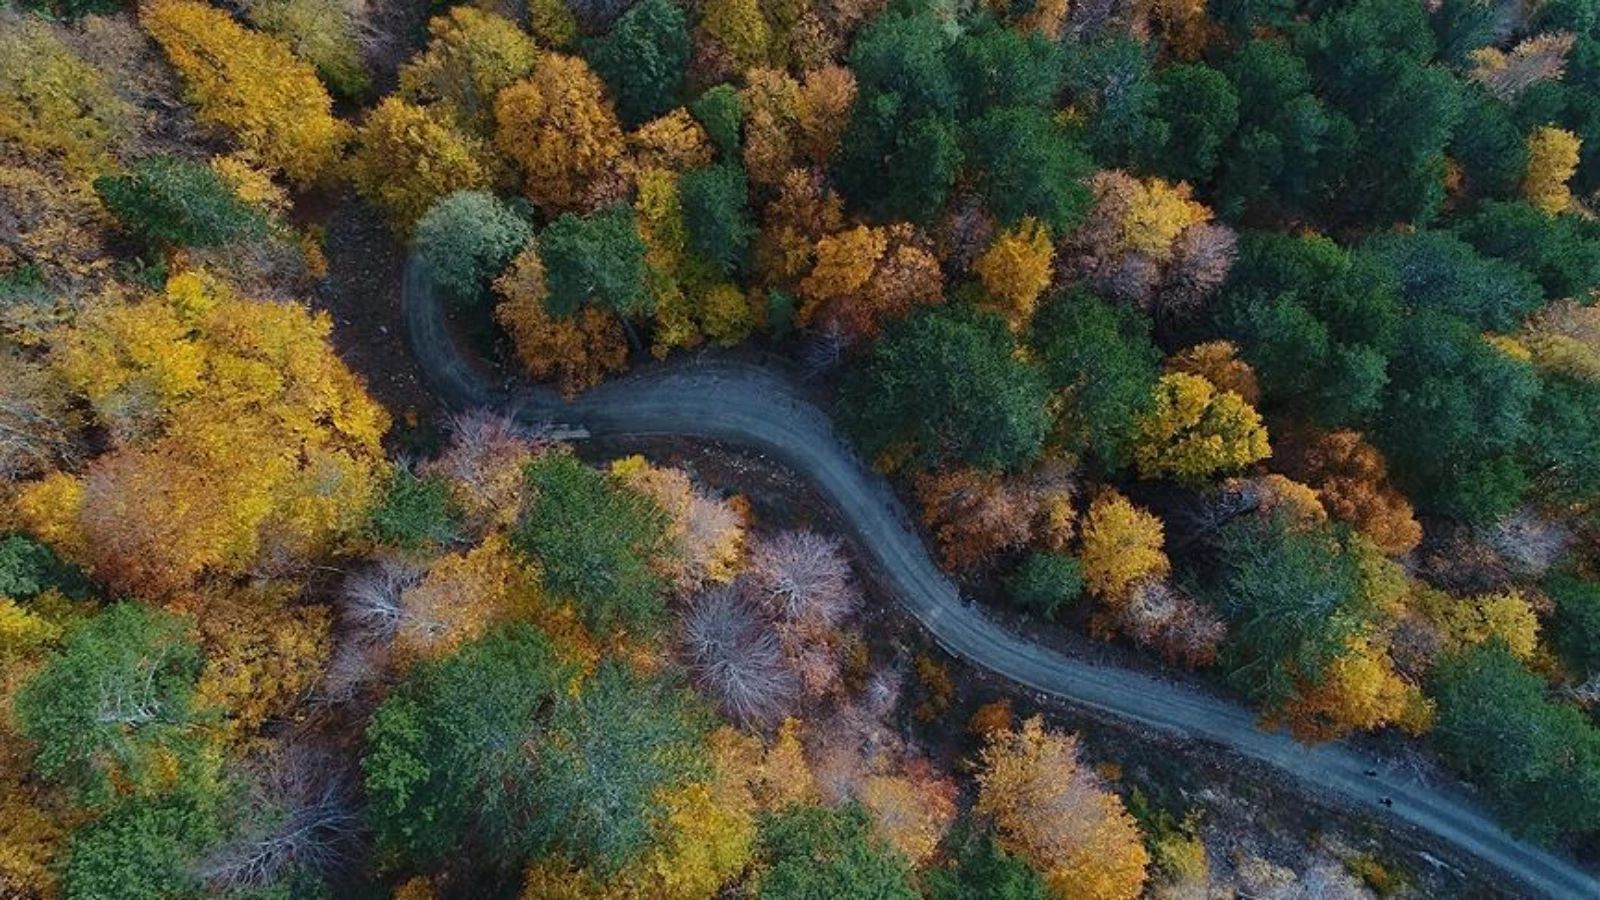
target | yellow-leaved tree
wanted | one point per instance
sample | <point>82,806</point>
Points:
<point>264,653</point>
<point>866,276</point>
<point>788,121</point>
<point>1053,811</point>
<point>1552,158</point>
<point>1195,431</point>
<point>707,829</point>
<point>1121,547</point>
<point>1218,362</point>
<point>1469,621</point>
<point>674,142</point>
<point>54,107</point>
<point>407,157</point>
<point>707,534</point>
<point>1015,270</point>
<point>740,28</point>
<point>251,86</point>
<point>241,442</point>
<point>1360,691</point>
<point>471,56</point>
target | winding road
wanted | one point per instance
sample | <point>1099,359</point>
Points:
<point>753,408</point>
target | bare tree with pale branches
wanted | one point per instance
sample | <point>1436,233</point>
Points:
<point>371,604</point>
<point>38,426</point>
<point>1200,264</point>
<point>1529,542</point>
<point>300,818</point>
<point>484,463</point>
<point>801,576</point>
<point>1180,627</point>
<point>735,656</point>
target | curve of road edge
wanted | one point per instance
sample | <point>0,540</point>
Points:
<point>754,408</point>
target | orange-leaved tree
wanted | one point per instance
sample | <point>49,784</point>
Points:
<point>579,351</point>
<point>975,515</point>
<point>240,441</point>
<point>559,126</point>
<point>1051,810</point>
<point>1352,481</point>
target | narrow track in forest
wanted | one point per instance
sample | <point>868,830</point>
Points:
<point>757,409</point>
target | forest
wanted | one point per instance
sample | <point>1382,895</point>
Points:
<point>1253,344</point>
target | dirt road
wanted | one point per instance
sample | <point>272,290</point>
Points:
<point>756,409</point>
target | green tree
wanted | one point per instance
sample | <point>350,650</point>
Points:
<point>1101,357</point>
<point>595,261</point>
<point>1460,27</point>
<point>1562,251</point>
<point>1371,61</point>
<point>892,165</point>
<point>1046,582</point>
<point>415,512</point>
<point>446,756</point>
<point>28,568</point>
<point>114,704</point>
<point>720,112</point>
<point>144,849</point>
<point>1287,140</point>
<point>643,60</point>
<point>900,152</point>
<point>1563,434</point>
<point>1575,631</point>
<point>467,239</point>
<point>607,759</point>
<point>1437,270</point>
<point>1454,414</point>
<point>980,870</point>
<point>1537,762</point>
<point>1292,598</point>
<point>996,67</point>
<point>908,56</point>
<point>1489,146</point>
<point>948,388</point>
<point>814,852</point>
<point>169,201</point>
<point>1316,322</point>
<point>595,539</point>
<point>1026,163</point>
<point>1201,111</point>
<point>716,213</point>
<point>1110,82</point>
